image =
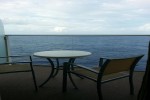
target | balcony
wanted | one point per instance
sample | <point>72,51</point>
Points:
<point>14,87</point>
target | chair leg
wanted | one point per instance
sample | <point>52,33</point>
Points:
<point>34,79</point>
<point>99,91</point>
<point>131,84</point>
<point>70,77</point>
<point>35,84</point>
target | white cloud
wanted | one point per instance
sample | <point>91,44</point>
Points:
<point>112,6</point>
<point>74,16</point>
<point>139,3</point>
<point>59,29</point>
<point>145,27</point>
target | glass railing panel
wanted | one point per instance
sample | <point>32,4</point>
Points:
<point>100,46</point>
<point>2,42</point>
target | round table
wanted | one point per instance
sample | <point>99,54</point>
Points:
<point>63,54</point>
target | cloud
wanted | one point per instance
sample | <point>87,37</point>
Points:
<point>145,27</point>
<point>59,29</point>
<point>112,6</point>
<point>139,3</point>
<point>74,16</point>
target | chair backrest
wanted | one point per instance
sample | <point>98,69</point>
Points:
<point>144,89</point>
<point>118,65</point>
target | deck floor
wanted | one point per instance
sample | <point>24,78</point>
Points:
<point>19,86</point>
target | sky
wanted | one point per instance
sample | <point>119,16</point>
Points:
<point>75,17</point>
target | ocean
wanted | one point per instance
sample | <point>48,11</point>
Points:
<point>99,46</point>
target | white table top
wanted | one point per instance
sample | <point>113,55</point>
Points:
<point>62,54</point>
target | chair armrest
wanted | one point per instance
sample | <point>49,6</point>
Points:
<point>23,62</point>
<point>84,67</point>
<point>131,56</point>
<point>17,59</point>
<point>16,56</point>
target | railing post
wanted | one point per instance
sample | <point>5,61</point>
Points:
<point>7,48</point>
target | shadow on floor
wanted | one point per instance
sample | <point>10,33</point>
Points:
<point>19,86</point>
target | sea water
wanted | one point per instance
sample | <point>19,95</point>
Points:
<point>99,46</point>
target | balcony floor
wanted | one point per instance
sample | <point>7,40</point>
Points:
<point>19,86</point>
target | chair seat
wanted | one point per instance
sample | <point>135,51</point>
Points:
<point>90,74</point>
<point>8,68</point>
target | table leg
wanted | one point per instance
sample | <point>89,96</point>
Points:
<point>51,74</point>
<point>64,89</point>
<point>66,69</point>
<point>57,67</point>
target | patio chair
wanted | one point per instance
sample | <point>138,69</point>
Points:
<point>144,92</point>
<point>113,68</point>
<point>17,64</point>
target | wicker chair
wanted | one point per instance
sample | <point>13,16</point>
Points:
<point>117,68</point>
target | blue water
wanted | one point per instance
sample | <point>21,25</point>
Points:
<point>100,46</point>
